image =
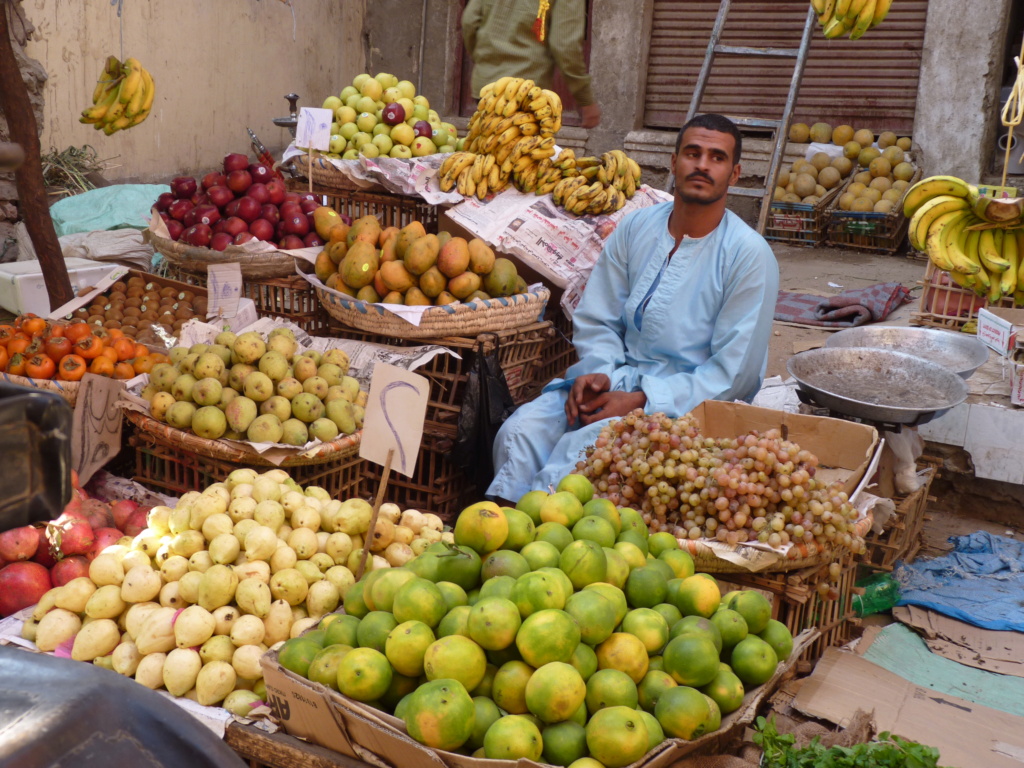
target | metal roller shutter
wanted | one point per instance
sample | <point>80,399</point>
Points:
<point>866,83</point>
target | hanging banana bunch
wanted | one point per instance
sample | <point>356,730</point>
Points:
<point>122,98</point>
<point>853,17</point>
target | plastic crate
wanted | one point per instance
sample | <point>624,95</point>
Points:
<point>392,210</point>
<point>800,223</point>
<point>867,230</point>
<point>437,485</point>
<point>519,351</point>
<point>170,470</point>
<point>901,539</point>
<point>797,604</point>
<point>944,304</point>
<point>289,298</point>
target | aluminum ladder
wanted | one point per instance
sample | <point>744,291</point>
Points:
<point>780,127</point>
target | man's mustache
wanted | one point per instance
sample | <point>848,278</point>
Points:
<point>699,175</point>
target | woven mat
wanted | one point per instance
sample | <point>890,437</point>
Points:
<point>845,310</point>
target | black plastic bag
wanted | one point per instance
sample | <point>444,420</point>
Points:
<point>487,404</point>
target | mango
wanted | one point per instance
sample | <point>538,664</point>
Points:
<point>433,282</point>
<point>393,297</point>
<point>481,257</point>
<point>324,219</point>
<point>453,258</point>
<point>407,235</point>
<point>359,265</point>
<point>324,266</point>
<point>444,297</point>
<point>463,285</point>
<point>364,229</point>
<point>501,281</point>
<point>336,252</point>
<point>415,297</point>
<point>421,254</point>
<point>396,276</point>
<point>368,294</point>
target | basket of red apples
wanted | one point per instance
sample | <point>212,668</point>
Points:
<point>241,214</point>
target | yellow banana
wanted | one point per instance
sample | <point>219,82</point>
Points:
<point>842,9</point>
<point>522,91</point>
<point>520,118</point>
<point>95,113</point>
<point>990,253</point>
<point>538,103</point>
<point>555,101</point>
<point>529,129</point>
<point>864,20</point>
<point>481,188</point>
<point>138,98</point>
<point>827,15</point>
<point>961,262</point>
<point>486,91</point>
<point>933,186</point>
<point>1011,254</point>
<point>819,6</point>
<point>543,112</point>
<point>881,11</point>
<point>925,216</point>
<point>509,134</point>
<point>478,168</point>
<point>147,103</point>
<point>111,72</point>
<point>499,105</point>
<point>494,177</point>
<point>533,93</point>
<point>132,80</point>
<point>500,85</point>
<point>511,87</point>
<point>523,163</point>
<point>856,6</point>
<point>935,243</point>
<point>836,28</point>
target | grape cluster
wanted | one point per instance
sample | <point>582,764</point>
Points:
<point>756,487</point>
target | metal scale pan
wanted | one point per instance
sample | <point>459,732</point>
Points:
<point>960,353</point>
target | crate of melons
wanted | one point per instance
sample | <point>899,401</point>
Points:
<point>803,194</point>
<point>868,212</point>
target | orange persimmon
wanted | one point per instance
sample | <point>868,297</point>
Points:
<point>102,366</point>
<point>77,330</point>
<point>16,365</point>
<point>40,367</point>
<point>89,347</point>
<point>71,368</point>
<point>123,370</point>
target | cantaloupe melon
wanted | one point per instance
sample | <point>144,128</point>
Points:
<point>799,133</point>
<point>846,201</point>
<point>783,179</point>
<point>862,205</point>
<point>842,134</point>
<point>810,200</point>
<point>893,154</point>
<point>886,139</point>
<point>856,188</point>
<point>884,206</point>
<point>829,177</point>
<point>900,185</point>
<point>819,191</point>
<point>905,143</point>
<point>867,155</point>
<point>864,137</point>
<point>879,167</point>
<point>843,164</point>
<point>892,195</point>
<point>821,133</point>
<point>802,166</point>
<point>903,172</point>
<point>804,185</point>
<point>821,160</point>
<point>851,149</point>
<point>779,193</point>
<point>792,198</point>
<point>881,183</point>
<point>872,194</point>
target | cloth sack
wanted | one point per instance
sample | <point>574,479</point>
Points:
<point>845,310</point>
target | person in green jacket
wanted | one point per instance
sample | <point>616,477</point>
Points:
<point>529,38</point>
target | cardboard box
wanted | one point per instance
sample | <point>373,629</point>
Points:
<point>846,450</point>
<point>322,716</point>
<point>22,288</point>
<point>998,327</point>
<point>1000,651</point>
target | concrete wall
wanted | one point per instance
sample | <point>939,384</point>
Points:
<point>218,67</point>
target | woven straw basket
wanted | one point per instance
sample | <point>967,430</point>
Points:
<point>472,319</point>
<point>255,266</point>
<point>235,452</point>
<point>324,173</point>
<point>66,389</point>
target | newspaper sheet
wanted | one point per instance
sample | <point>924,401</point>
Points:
<point>415,177</point>
<point>560,246</point>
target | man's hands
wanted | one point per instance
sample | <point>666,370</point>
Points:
<point>590,115</point>
<point>590,400</point>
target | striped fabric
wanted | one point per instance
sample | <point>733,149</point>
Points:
<point>500,39</point>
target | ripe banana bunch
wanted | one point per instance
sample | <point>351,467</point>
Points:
<point>978,253</point>
<point>122,98</point>
<point>509,108</point>
<point>838,17</point>
<point>472,174</point>
<point>606,184</point>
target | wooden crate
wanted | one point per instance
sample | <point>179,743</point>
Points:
<point>167,469</point>
<point>944,304</point>
<point>558,353</point>
<point>519,351</point>
<point>797,604</point>
<point>901,539</point>
<point>800,223</point>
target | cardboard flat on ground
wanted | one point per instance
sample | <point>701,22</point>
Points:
<point>844,449</point>
<point>967,735</point>
<point>322,716</point>
<point>988,649</point>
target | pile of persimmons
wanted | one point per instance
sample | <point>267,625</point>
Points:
<point>44,349</point>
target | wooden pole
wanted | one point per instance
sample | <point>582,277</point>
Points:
<point>376,510</point>
<point>32,200</point>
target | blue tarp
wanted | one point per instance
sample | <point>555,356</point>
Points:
<point>120,206</point>
<point>981,582</point>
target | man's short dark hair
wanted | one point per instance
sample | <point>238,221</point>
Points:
<point>714,122</point>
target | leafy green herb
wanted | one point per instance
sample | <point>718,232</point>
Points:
<point>888,751</point>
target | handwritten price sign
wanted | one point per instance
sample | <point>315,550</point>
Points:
<point>313,130</point>
<point>394,417</point>
<point>224,288</point>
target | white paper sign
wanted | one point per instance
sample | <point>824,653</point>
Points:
<point>394,417</point>
<point>313,130</point>
<point>224,289</point>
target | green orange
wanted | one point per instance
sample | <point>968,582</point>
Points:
<point>493,623</point>
<point>726,689</point>
<point>617,736</point>
<point>486,713</point>
<point>343,631</point>
<point>324,667</point>
<point>683,712</point>
<point>374,629</point>
<point>406,645</point>
<point>364,674</point>
<point>536,591</point>
<point>509,687</point>
<point>649,626</point>
<point>419,600</point>
<point>530,503</point>
<point>547,636</point>
<point>607,510</point>
<point>584,562</point>
<point>753,660</point>
<point>482,526</point>
<point>297,654</point>
<point>440,714</point>
<point>654,684</point>
<point>577,485</point>
<point>513,737</point>
<point>564,742</point>
<point>540,554</point>
<point>778,636</point>
<point>624,652</point>
<point>594,528</point>
<point>646,587</point>
<point>555,691</point>
<point>610,688</point>
<point>695,596</point>
<point>455,622</point>
<point>563,508</point>
<point>455,657</point>
<point>691,659</point>
<point>520,529</point>
<point>553,533</point>
<point>504,562</point>
<point>595,615</point>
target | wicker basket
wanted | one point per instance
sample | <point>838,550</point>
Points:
<point>472,319</point>
<point>193,259</point>
<point>66,389</point>
<point>390,209</point>
<point>325,174</point>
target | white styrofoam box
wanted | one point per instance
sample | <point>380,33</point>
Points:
<point>22,288</point>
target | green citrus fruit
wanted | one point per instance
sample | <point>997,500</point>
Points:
<point>536,591</point>
<point>504,562</point>
<point>646,587</point>
<point>683,712</point>
<point>540,554</point>
<point>453,594</point>
<point>374,629</point>
<point>513,737</point>
<point>564,743</point>
<point>481,526</point>
<point>680,562</point>
<point>691,659</point>
<point>547,636</point>
<point>726,689</point>
<point>696,596</point>
<point>553,533</point>
<point>440,714</point>
<point>530,504</point>
<point>364,674</point>
<point>577,485</point>
<point>755,609</point>
<point>584,659</point>
<point>455,622</point>
<point>649,626</point>
<point>655,683</point>
<point>455,657</point>
<point>778,636</point>
<point>342,631</point>
<point>662,541</point>
<point>594,528</point>
<point>607,510</point>
<point>584,563</point>
<point>406,645</point>
<point>297,654</point>
<point>610,688</point>
<point>498,586</point>
<point>419,600</point>
<point>617,736</point>
<point>624,652</point>
<point>555,691</point>
<point>509,687</point>
<point>563,507</point>
<point>753,660</point>
<point>487,713</point>
<point>493,623</point>
<point>595,615</point>
<point>520,529</point>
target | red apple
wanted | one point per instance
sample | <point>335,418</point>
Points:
<point>289,208</point>
<point>213,179</point>
<point>271,213</point>
<point>207,214</point>
<point>179,208</point>
<point>258,192</point>
<point>423,128</point>
<point>69,568</point>
<point>190,218</point>
<point>312,239</point>
<point>244,237</point>
<point>198,234</point>
<point>22,585</point>
<point>220,241</point>
<point>165,216</point>
<point>291,242</point>
<point>239,181</point>
<point>174,229</point>
<point>219,226</point>
<point>231,209</point>
<point>233,225</point>
<point>235,162</point>
<point>220,195</point>
<point>199,198</point>
<point>347,219</point>
<point>295,225</point>
<point>262,229</point>
<point>393,114</point>
<point>183,187</point>
<point>290,197</point>
<point>279,230</point>
<point>277,190</point>
<point>248,209</point>
<point>260,173</point>
<point>163,201</point>
<point>312,222</point>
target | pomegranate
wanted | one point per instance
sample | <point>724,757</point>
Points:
<point>22,585</point>
<point>67,569</point>
<point>104,538</point>
<point>137,523</point>
<point>97,513</point>
<point>71,536</point>
<point>19,543</point>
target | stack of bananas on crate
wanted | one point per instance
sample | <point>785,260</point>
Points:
<point>511,140</point>
<point>122,98</point>
<point>837,17</point>
<point>977,239</point>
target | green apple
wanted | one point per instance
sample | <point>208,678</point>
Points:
<point>333,155</point>
<point>420,112</point>
<point>338,143</point>
<point>421,101</point>
<point>361,138</point>
<point>390,95</point>
<point>401,151</point>
<point>383,143</point>
<point>347,91</point>
<point>345,114</point>
<point>402,133</point>
<point>331,103</point>
<point>386,79</point>
<point>358,80</point>
<point>439,135</point>
<point>335,127</point>
<point>348,130</point>
<point>366,104</point>
<point>422,146</point>
<point>366,121</point>
<point>446,149</point>
<point>369,149</point>
<point>452,130</point>
<point>381,128</point>
<point>460,145</point>
<point>407,105</point>
<point>352,102</point>
<point>371,88</point>
<point>350,154</point>
<point>407,89</point>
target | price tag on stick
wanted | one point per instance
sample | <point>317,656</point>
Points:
<point>394,417</point>
<point>313,130</point>
<point>224,288</point>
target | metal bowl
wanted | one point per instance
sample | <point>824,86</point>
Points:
<point>877,384</point>
<point>958,352</point>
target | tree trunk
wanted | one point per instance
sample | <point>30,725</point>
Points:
<point>32,200</point>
